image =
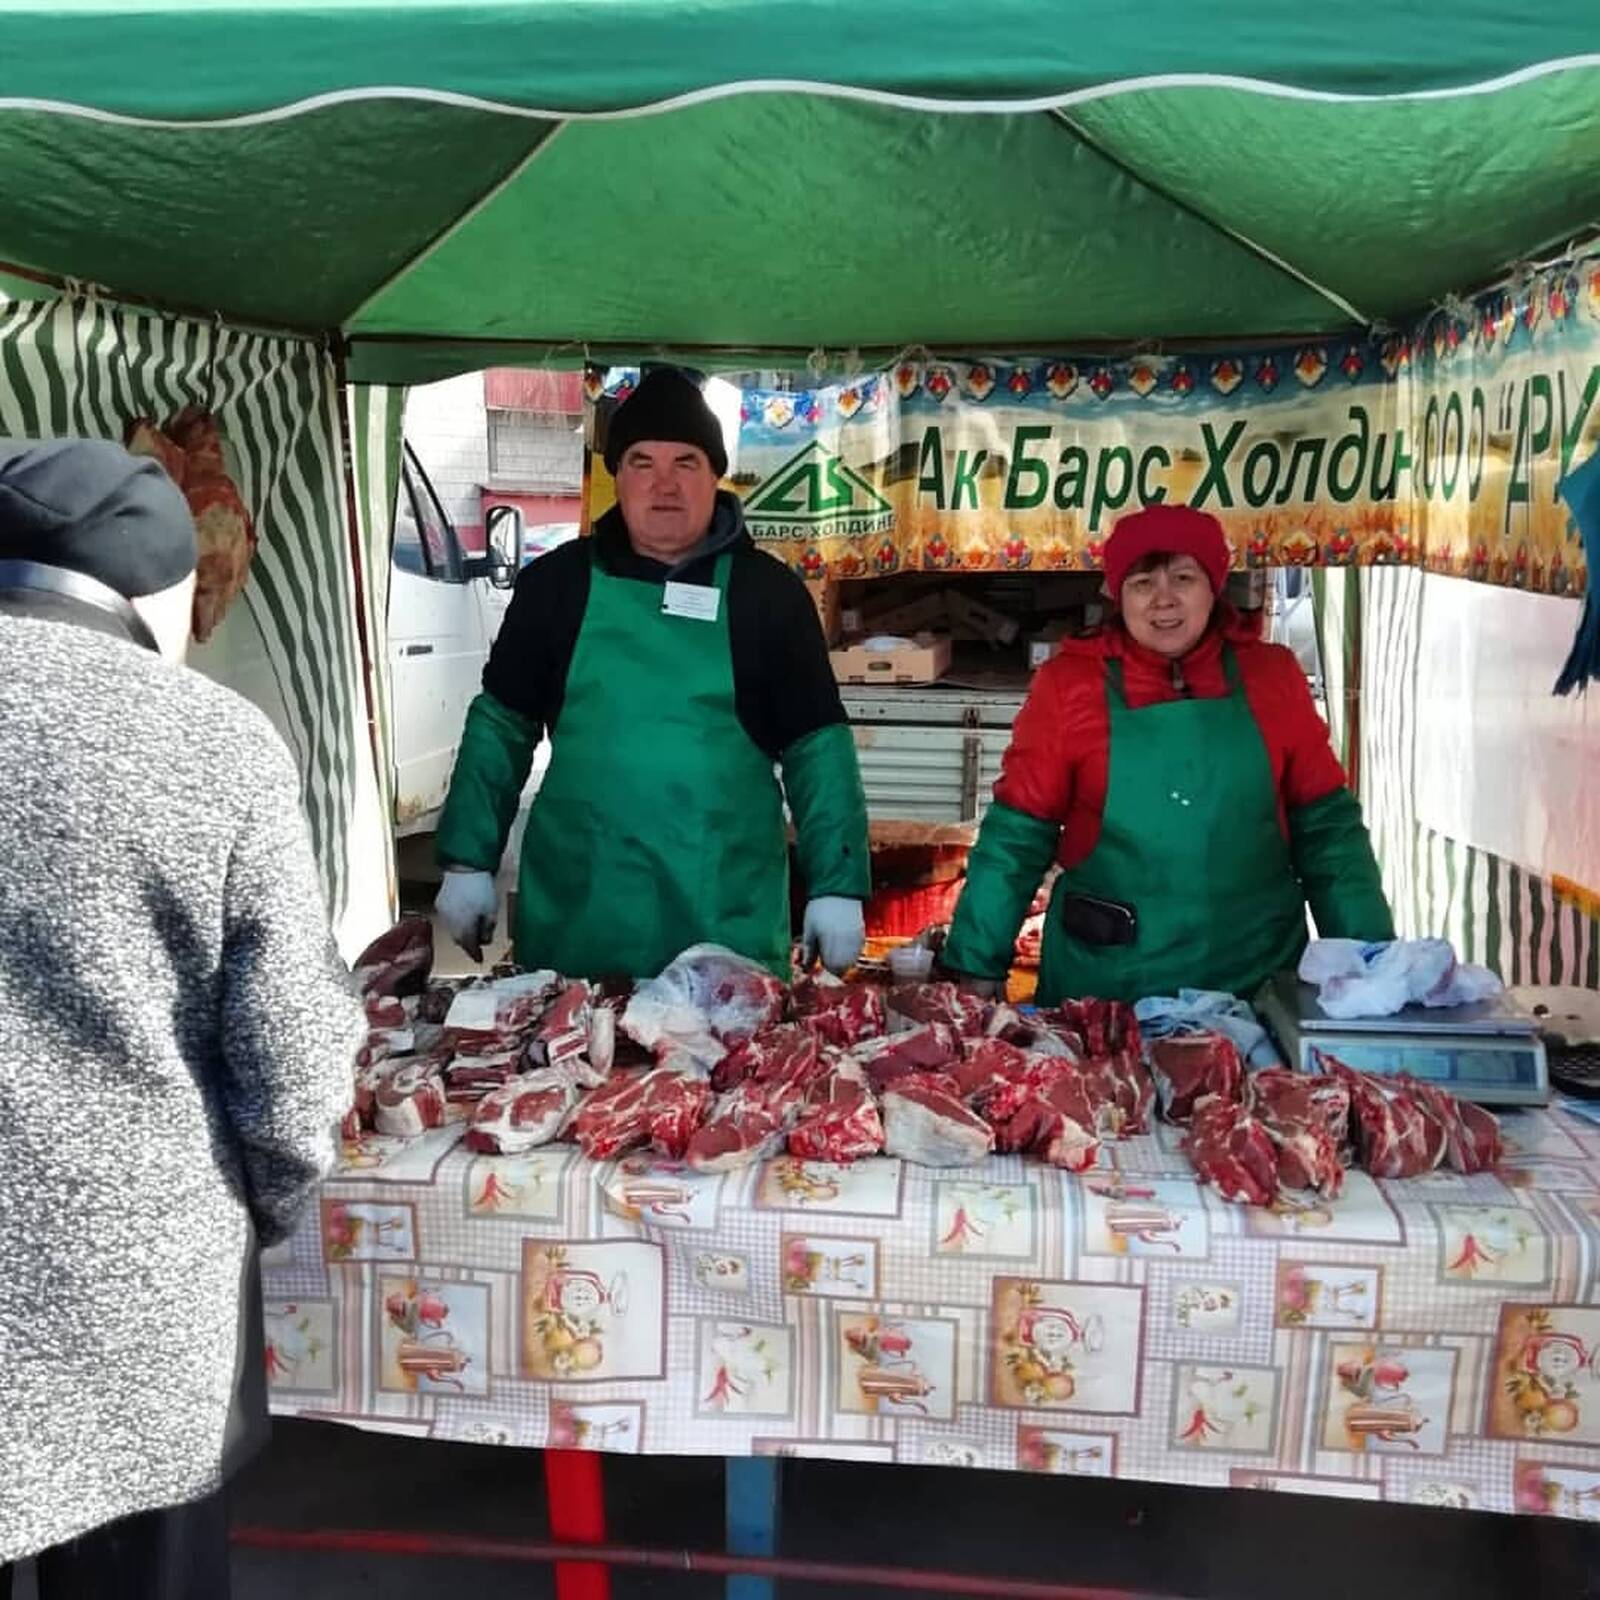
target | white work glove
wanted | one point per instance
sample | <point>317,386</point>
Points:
<point>835,929</point>
<point>469,907</point>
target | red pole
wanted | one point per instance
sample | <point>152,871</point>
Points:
<point>584,1557</point>
<point>575,1493</point>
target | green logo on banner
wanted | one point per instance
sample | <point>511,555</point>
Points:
<point>814,494</point>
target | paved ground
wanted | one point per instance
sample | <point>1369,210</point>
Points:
<point>1204,1545</point>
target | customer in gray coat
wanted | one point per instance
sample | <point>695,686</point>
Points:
<point>176,1038</point>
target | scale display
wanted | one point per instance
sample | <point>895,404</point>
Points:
<point>1468,1070</point>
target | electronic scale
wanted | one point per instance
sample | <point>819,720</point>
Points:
<point>1491,1053</point>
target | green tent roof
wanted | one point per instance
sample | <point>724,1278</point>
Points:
<point>455,183</point>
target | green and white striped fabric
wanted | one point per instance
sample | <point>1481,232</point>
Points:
<point>377,422</point>
<point>75,364</point>
<point>1491,909</point>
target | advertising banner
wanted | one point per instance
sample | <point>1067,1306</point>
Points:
<point>1440,445</point>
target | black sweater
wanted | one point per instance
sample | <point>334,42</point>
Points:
<point>783,683</point>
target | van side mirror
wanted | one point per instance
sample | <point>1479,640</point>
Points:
<point>504,535</point>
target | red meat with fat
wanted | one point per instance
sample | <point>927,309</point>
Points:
<point>926,1048</point>
<point>840,1014</point>
<point>523,1113</point>
<point>399,961</point>
<point>926,1122</point>
<point>840,1119</point>
<point>1233,1152</point>
<point>912,1004</point>
<point>1188,1067</point>
<point>656,1106</point>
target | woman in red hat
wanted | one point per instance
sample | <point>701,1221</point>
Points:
<point>1177,769</point>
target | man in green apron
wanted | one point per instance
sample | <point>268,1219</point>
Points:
<point>1175,767</point>
<point>676,669</point>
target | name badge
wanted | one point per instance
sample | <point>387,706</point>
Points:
<point>699,601</point>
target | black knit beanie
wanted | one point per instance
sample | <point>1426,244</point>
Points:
<point>667,406</point>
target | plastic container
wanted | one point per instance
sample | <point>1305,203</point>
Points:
<point>911,963</point>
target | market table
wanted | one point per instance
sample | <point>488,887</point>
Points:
<point>1433,1341</point>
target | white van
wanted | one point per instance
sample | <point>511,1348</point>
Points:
<point>445,608</point>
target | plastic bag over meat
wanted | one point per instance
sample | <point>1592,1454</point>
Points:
<point>706,1001</point>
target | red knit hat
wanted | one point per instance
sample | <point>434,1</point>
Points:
<point>1169,531</point>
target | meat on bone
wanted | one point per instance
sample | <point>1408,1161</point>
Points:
<point>1189,1066</point>
<point>1397,1134</point>
<point>926,1122</point>
<point>523,1113</point>
<point>925,1048</point>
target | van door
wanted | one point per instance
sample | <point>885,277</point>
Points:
<point>440,630</point>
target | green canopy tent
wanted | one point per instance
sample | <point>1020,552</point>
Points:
<point>456,183</point>
<point>434,186</point>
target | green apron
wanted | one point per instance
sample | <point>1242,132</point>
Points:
<point>659,823</point>
<point>1191,839</point>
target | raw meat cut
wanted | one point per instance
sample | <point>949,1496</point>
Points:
<point>385,1012</point>
<point>789,1054</point>
<point>924,1121</point>
<point>410,1099</point>
<point>469,1078</point>
<point>842,1014</point>
<point>656,1105</point>
<point>1189,1066</point>
<point>190,448</point>
<point>1059,1116</point>
<point>911,1004</point>
<point>747,1124</point>
<point>1397,1135</point>
<point>840,1120</point>
<point>1472,1134</point>
<point>576,1034</point>
<point>1232,1151</point>
<point>399,962</point>
<point>523,1113</point>
<point>1301,1119</point>
<point>991,1067</point>
<point>1101,1027</point>
<point>706,1000</point>
<point>932,1045</point>
<point>503,1006</point>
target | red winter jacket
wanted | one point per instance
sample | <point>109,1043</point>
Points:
<point>1057,766</point>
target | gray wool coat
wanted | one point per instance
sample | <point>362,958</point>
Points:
<point>176,1040</point>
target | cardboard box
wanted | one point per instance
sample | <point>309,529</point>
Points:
<point>910,616</point>
<point>972,619</point>
<point>924,659</point>
<point>824,594</point>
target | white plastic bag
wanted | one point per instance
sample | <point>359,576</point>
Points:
<point>708,999</point>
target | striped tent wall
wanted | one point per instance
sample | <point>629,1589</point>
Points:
<point>75,364</point>
<point>1522,924</point>
<point>376,416</point>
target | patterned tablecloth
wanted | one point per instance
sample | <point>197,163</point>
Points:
<point>1434,1341</point>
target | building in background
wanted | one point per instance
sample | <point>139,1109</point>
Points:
<point>501,437</point>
